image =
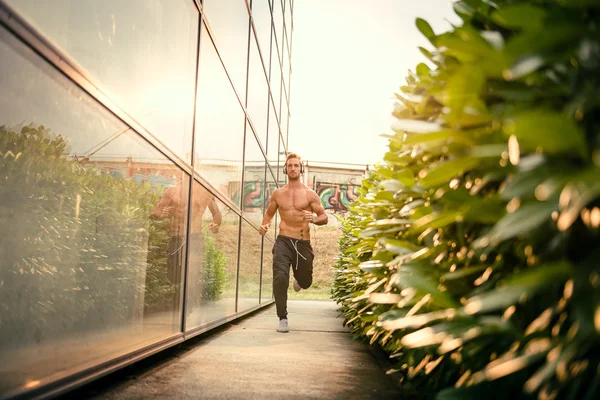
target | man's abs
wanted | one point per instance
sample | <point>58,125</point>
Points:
<point>296,231</point>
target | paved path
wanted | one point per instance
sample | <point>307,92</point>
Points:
<point>317,359</point>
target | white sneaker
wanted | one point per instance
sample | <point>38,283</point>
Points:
<point>297,286</point>
<point>283,326</point>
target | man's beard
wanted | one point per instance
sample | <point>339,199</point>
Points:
<point>296,178</point>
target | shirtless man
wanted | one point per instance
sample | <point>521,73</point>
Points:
<point>297,205</point>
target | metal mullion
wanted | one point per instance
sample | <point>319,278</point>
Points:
<point>283,30</point>
<point>274,38</point>
<point>274,31</point>
<point>191,183</point>
<point>35,40</point>
<point>290,76</point>
<point>246,120</point>
<point>291,15</point>
<point>198,4</point>
<point>262,241</point>
<point>270,170</point>
<point>284,141</point>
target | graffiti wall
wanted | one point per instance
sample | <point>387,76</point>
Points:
<point>336,197</point>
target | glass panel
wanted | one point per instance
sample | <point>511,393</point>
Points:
<point>278,22</point>
<point>276,82</point>
<point>286,120</point>
<point>219,124</point>
<point>282,148</point>
<point>253,195</point>
<point>229,21</point>
<point>266,293</point>
<point>286,73</point>
<point>282,155</point>
<point>212,259</point>
<point>261,13</point>
<point>270,188</point>
<point>91,266</point>
<point>249,279</point>
<point>273,144</point>
<point>288,17</point>
<point>258,94</point>
<point>127,48</point>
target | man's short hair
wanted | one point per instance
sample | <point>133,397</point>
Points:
<point>292,155</point>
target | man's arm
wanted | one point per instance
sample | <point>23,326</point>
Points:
<point>164,207</point>
<point>269,214</point>
<point>216,215</point>
<point>317,207</point>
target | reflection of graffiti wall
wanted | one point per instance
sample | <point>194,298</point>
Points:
<point>156,174</point>
<point>253,194</point>
<point>336,197</point>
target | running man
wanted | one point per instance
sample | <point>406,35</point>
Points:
<point>297,205</point>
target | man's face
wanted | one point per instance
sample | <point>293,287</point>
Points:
<point>293,168</point>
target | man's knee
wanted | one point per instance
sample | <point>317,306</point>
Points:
<point>280,278</point>
<point>304,281</point>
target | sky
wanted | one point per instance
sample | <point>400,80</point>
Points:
<point>348,59</point>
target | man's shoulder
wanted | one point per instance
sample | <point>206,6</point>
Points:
<point>309,189</point>
<point>277,192</point>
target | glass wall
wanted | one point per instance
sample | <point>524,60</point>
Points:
<point>97,219</point>
<point>139,145</point>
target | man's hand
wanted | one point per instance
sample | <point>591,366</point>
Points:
<point>214,228</point>
<point>308,216</point>
<point>263,229</point>
<point>164,212</point>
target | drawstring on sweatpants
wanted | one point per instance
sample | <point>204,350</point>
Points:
<point>295,245</point>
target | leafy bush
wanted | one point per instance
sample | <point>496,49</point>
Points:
<point>77,245</point>
<point>214,269</point>
<point>471,256</point>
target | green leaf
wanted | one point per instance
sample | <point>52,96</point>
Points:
<point>519,287</point>
<point>446,134</point>
<point>398,246</point>
<point>522,221</point>
<point>463,272</point>
<point>371,266</point>
<point>415,126</point>
<point>520,16</point>
<point>550,131</point>
<point>384,298</point>
<point>443,173</point>
<point>424,27</point>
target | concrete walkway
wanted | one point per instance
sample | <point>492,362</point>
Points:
<point>248,359</point>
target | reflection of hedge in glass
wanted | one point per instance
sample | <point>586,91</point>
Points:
<point>74,246</point>
<point>214,269</point>
<point>472,254</point>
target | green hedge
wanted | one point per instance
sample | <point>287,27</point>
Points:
<point>472,254</point>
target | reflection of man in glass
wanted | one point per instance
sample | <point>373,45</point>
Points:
<point>297,204</point>
<point>173,205</point>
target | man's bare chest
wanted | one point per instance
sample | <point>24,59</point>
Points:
<point>296,200</point>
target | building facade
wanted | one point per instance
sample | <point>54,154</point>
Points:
<point>128,133</point>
